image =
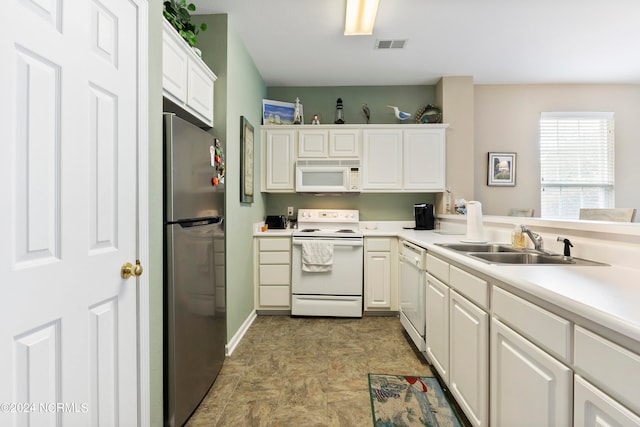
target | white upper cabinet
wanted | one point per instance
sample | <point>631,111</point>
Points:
<point>186,80</point>
<point>393,158</point>
<point>278,160</point>
<point>404,158</point>
<point>313,143</point>
<point>344,143</point>
<point>318,142</point>
<point>382,159</point>
<point>424,159</point>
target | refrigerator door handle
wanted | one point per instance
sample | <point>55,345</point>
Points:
<point>197,222</point>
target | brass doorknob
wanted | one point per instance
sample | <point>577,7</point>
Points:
<point>129,270</point>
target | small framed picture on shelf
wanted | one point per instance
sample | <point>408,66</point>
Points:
<point>502,169</point>
<point>278,112</point>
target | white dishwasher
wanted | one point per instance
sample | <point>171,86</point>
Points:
<point>412,292</point>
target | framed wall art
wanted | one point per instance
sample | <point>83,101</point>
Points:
<point>246,161</point>
<point>502,169</point>
<point>278,113</point>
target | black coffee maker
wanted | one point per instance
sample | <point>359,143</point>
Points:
<point>423,213</point>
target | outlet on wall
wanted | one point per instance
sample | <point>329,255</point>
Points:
<point>290,211</point>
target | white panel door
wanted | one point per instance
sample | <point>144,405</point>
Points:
<point>69,131</point>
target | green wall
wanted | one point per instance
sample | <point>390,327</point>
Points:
<point>322,100</point>
<point>239,91</point>
<point>372,206</point>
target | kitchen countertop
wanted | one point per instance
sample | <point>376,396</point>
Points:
<point>607,296</point>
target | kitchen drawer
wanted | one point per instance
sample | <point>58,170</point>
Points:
<point>474,288</point>
<point>274,244</point>
<point>613,369</point>
<point>274,296</point>
<point>438,268</point>
<point>375,244</point>
<point>549,331</point>
<point>275,257</point>
<point>277,274</point>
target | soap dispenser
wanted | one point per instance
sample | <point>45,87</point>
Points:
<point>517,237</point>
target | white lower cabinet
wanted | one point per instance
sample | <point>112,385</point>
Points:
<point>511,362</point>
<point>273,273</point>
<point>528,386</point>
<point>380,274</point>
<point>437,331</point>
<point>469,358</point>
<point>593,408</point>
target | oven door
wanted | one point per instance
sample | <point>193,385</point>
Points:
<point>337,292</point>
<point>345,275</point>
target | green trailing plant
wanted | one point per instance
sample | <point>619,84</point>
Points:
<point>178,13</point>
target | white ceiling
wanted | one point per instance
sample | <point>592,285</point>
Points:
<point>301,42</point>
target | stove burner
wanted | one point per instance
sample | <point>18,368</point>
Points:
<point>344,230</point>
<point>309,230</point>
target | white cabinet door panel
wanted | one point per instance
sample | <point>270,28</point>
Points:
<point>526,383</point>
<point>279,160</point>
<point>378,280</point>
<point>313,143</point>
<point>593,408</point>
<point>382,162</point>
<point>469,352</point>
<point>437,331</point>
<point>424,159</point>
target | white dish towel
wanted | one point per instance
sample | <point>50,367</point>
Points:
<point>317,256</point>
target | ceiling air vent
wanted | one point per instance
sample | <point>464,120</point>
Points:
<point>391,44</point>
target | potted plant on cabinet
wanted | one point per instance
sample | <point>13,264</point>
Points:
<point>177,12</point>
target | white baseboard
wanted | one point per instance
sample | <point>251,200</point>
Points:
<point>237,337</point>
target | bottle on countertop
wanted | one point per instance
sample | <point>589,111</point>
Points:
<point>517,237</point>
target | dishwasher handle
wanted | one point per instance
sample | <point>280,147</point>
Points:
<point>413,254</point>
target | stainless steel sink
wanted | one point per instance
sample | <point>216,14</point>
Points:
<point>478,247</point>
<point>497,253</point>
<point>530,258</point>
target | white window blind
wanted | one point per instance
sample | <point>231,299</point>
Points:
<point>576,163</point>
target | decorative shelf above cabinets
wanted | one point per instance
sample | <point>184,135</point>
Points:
<point>187,82</point>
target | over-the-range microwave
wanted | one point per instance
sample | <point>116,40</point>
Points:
<point>328,176</point>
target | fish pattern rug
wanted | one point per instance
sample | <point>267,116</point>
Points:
<point>405,401</point>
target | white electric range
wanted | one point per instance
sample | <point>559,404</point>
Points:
<point>327,264</point>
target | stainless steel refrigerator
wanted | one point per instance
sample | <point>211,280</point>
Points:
<point>194,282</point>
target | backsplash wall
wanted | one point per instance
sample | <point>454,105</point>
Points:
<point>372,206</point>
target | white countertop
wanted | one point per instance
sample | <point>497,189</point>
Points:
<point>608,296</point>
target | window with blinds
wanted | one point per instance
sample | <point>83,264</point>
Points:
<point>576,163</point>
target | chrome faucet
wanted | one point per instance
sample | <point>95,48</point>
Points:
<point>535,238</point>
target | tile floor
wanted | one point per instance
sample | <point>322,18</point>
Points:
<point>307,372</point>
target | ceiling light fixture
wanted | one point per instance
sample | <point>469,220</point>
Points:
<point>360,17</point>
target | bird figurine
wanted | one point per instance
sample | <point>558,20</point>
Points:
<point>367,112</point>
<point>400,115</point>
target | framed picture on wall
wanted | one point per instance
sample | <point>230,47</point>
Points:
<point>502,169</point>
<point>246,161</point>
